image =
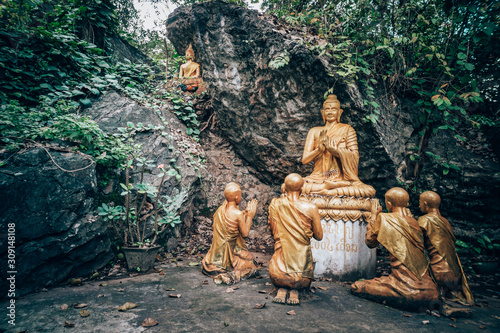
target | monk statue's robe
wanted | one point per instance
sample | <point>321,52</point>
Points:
<point>344,168</point>
<point>409,283</point>
<point>444,261</point>
<point>228,254</point>
<point>292,263</point>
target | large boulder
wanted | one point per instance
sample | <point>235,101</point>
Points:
<point>266,113</point>
<point>57,234</point>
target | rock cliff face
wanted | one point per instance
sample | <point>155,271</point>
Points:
<point>266,113</point>
<point>57,233</point>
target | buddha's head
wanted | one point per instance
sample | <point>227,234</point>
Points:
<point>190,53</point>
<point>232,192</point>
<point>293,183</point>
<point>429,200</point>
<point>331,109</point>
<point>396,197</point>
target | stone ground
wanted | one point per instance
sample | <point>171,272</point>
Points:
<point>210,308</point>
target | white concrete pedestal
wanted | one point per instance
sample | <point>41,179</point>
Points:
<point>343,254</point>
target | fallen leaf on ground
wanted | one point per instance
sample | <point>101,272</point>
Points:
<point>262,292</point>
<point>103,285</point>
<point>194,263</point>
<point>64,307</point>
<point>68,324</point>
<point>121,290</point>
<point>84,313</point>
<point>323,288</point>
<point>161,273</point>
<point>149,322</point>
<point>258,277</point>
<point>204,282</point>
<point>229,290</point>
<point>175,295</point>
<point>268,284</point>
<point>496,317</point>
<point>226,324</point>
<point>435,313</point>
<point>80,305</point>
<point>259,306</point>
<point>313,291</point>
<point>100,295</point>
<point>482,327</point>
<point>425,322</point>
<point>169,289</point>
<point>407,315</point>
<point>127,306</point>
<point>453,325</point>
<point>291,313</point>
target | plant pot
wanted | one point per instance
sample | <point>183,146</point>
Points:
<point>140,259</point>
<point>485,267</point>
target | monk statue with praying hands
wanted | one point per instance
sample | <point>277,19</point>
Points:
<point>410,284</point>
<point>334,150</point>
<point>293,222</point>
<point>228,259</point>
<point>440,244</point>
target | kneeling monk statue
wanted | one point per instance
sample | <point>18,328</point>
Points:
<point>292,222</point>
<point>409,285</point>
<point>440,244</point>
<point>228,259</point>
<point>334,150</point>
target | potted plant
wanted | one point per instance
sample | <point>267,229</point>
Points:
<point>485,261</point>
<point>144,215</point>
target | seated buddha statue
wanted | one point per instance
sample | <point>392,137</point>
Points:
<point>190,69</point>
<point>334,150</point>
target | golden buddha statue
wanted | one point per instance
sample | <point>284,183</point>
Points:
<point>334,150</point>
<point>410,284</point>
<point>440,244</point>
<point>189,70</point>
<point>293,222</point>
<point>228,259</point>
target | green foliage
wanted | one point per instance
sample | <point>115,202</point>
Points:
<point>133,221</point>
<point>481,246</point>
<point>182,106</point>
<point>280,60</point>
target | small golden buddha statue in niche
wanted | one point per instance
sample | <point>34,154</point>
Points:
<point>228,259</point>
<point>440,244</point>
<point>190,69</point>
<point>334,150</point>
<point>293,222</point>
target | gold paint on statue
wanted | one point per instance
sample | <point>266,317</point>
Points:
<point>293,222</point>
<point>409,283</point>
<point>334,150</point>
<point>189,70</point>
<point>440,244</point>
<point>228,259</point>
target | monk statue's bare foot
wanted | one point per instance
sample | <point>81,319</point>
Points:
<point>294,298</point>
<point>330,184</point>
<point>281,296</point>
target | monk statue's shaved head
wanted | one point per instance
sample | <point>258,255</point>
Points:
<point>232,191</point>
<point>398,197</point>
<point>293,182</point>
<point>431,199</point>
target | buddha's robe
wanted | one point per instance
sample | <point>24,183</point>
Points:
<point>292,263</point>
<point>444,261</point>
<point>342,168</point>
<point>190,70</point>
<point>409,280</point>
<point>228,252</point>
